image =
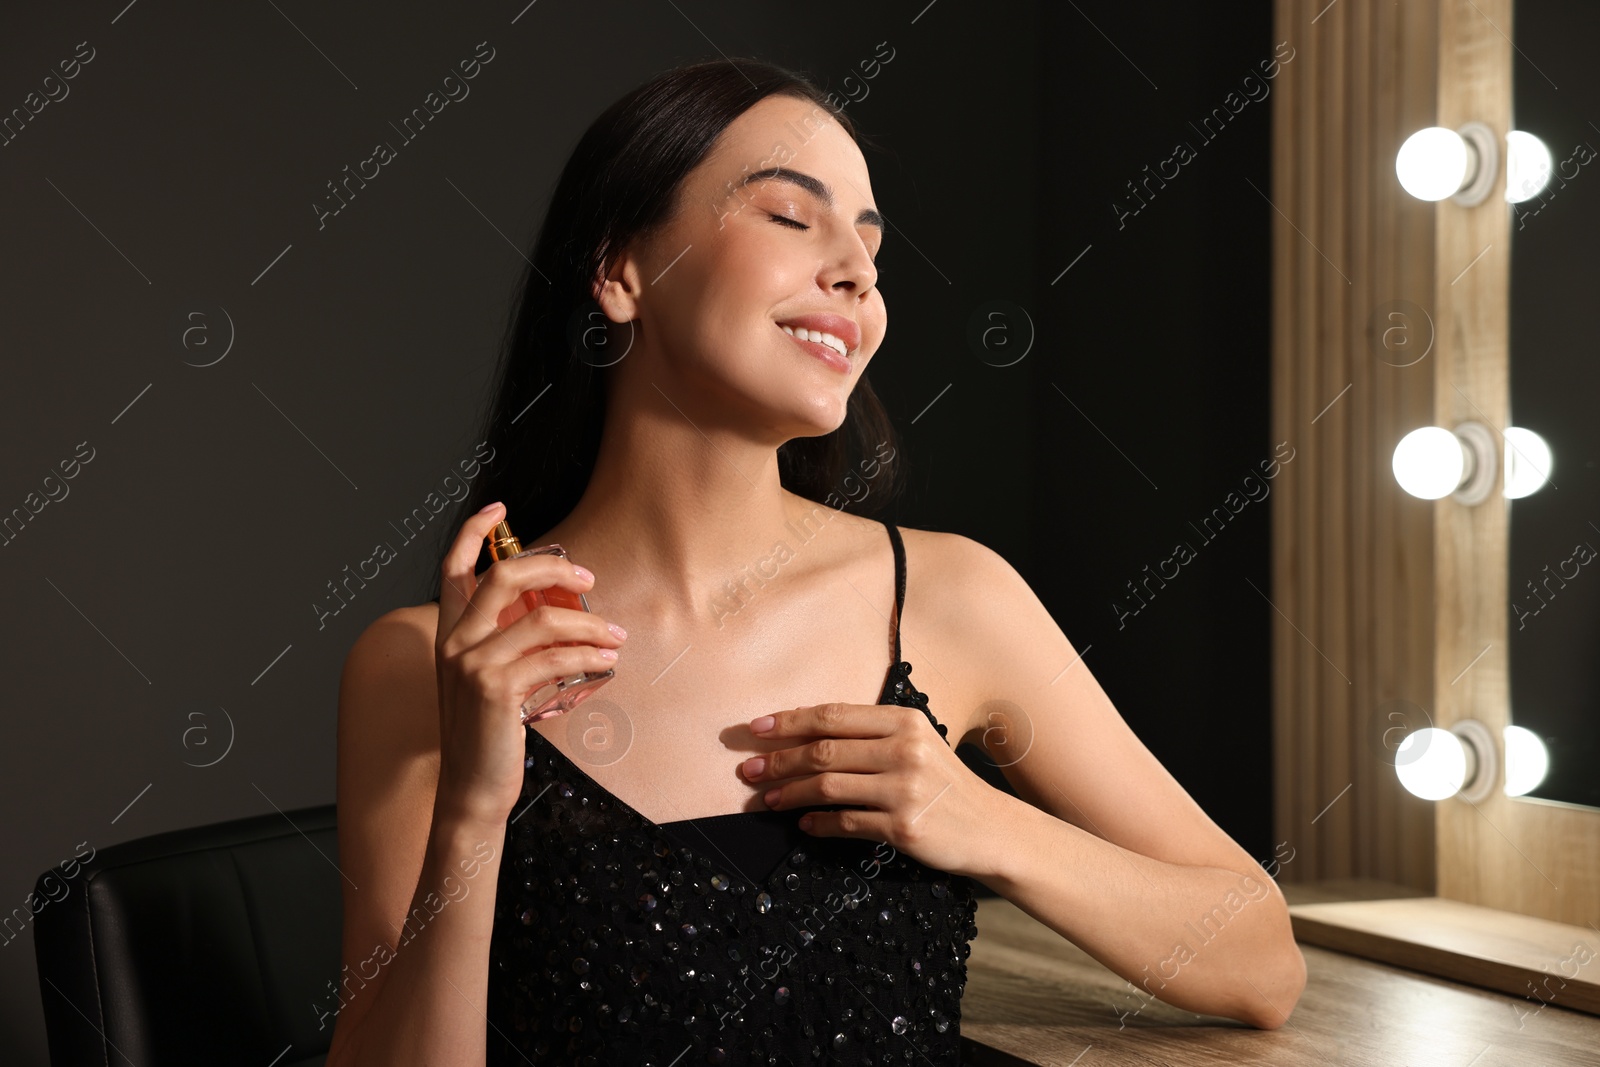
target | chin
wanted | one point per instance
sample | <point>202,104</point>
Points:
<point>819,420</point>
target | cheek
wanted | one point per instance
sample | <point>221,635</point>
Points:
<point>765,272</point>
<point>874,320</point>
<point>734,293</point>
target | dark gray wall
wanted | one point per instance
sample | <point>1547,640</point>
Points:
<point>169,593</point>
<point>1151,404</point>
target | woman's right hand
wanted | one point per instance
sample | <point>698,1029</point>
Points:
<point>484,673</point>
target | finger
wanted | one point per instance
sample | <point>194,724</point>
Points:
<point>504,583</point>
<point>858,755</point>
<point>532,572</point>
<point>457,581</point>
<point>516,680</point>
<point>833,787</point>
<point>832,720</point>
<point>548,625</point>
<point>867,825</point>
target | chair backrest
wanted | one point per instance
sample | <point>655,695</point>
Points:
<point>215,944</point>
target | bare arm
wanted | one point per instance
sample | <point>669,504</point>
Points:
<point>420,889</point>
<point>1209,939</point>
<point>1105,846</point>
<point>431,749</point>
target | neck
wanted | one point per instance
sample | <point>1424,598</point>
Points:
<point>676,517</point>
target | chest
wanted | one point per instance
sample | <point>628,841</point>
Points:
<point>667,735</point>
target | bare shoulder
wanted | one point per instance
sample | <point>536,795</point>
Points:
<point>937,548</point>
<point>403,634</point>
<point>388,685</point>
<point>955,588</point>
<point>388,729</point>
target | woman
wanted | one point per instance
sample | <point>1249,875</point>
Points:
<point>628,882</point>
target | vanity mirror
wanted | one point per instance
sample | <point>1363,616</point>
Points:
<point>1408,297</point>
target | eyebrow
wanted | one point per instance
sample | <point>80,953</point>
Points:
<point>818,189</point>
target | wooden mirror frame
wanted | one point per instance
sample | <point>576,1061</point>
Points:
<point>1380,597</point>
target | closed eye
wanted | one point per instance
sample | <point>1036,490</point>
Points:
<point>787,221</point>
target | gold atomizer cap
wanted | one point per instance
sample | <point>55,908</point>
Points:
<point>503,544</point>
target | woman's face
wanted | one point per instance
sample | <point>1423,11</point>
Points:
<point>709,293</point>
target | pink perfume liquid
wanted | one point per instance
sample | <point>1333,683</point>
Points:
<point>560,694</point>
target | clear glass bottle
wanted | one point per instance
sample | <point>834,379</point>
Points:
<point>562,694</point>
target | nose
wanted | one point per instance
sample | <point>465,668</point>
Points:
<point>857,273</point>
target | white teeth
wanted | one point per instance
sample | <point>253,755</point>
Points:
<point>828,339</point>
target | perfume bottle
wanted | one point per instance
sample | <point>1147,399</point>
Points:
<point>563,694</point>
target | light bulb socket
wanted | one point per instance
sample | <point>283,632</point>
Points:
<point>1483,163</point>
<point>1480,454</point>
<point>1483,760</point>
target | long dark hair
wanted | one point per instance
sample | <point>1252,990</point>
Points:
<point>622,182</point>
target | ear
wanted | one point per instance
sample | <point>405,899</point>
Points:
<point>617,287</point>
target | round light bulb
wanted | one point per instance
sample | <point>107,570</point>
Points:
<point>1432,164</point>
<point>1429,462</point>
<point>1527,462</point>
<point>1431,763</point>
<point>1528,166</point>
<point>1527,761</point>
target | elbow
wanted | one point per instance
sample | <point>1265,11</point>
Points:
<point>1270,999</point>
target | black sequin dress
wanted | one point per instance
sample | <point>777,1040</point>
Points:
<point>617,940</point>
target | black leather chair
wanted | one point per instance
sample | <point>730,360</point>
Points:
<point>212,945</point>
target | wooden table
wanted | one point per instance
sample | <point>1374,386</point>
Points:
<point>1034,998</point>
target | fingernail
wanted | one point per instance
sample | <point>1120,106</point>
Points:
<point>772,796</point>
<point>763,724</point>
<point>754,766</point>
<point>488,508</point>
<point>583,572</point>
<point>619,631</point>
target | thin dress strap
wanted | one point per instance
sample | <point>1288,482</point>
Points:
<point>899,583</point>
<point>898,683</point>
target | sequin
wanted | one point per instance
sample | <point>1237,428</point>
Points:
<point>613,943</point>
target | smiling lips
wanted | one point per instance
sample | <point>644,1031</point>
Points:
<point>823,350</point>
<point>830,338</point>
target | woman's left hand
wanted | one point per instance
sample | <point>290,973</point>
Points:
<point>913,791</point>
